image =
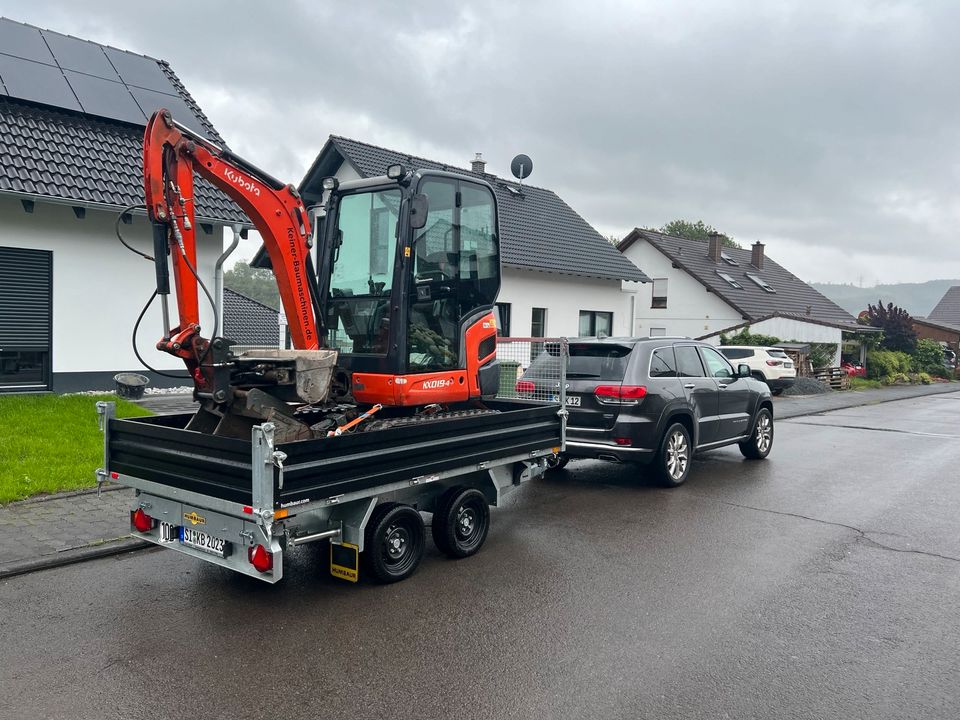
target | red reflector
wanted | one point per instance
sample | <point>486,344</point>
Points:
<point>248,510</point>
<point>114,475</point>
<point>623,441</point>
<point>525,386</point>
<point>141,521</point>
<point>621,392</point>
<point>260,558</point>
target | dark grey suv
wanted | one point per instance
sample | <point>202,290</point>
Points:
<point>655,401</point>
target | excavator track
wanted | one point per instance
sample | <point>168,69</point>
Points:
<point>390,423</point>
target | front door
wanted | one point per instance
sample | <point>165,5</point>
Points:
<point>734,395</point>
<point>701,392</point>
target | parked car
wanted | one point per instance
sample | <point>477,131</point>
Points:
<point>654,401</point>
<point>854,369</point>
<point>771,365</point>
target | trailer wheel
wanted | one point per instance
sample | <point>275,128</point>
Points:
<point>461,522</point>
<point>395,541</point>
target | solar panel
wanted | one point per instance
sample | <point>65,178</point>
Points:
<point>104,98</point>
<point>80,55</point>
<point>37,82</point>
<point>23,41</point>
<point>141,71</point>
<point>46,67</point>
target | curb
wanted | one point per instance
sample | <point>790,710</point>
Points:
<point>107,487</point>
<point>75,555</point>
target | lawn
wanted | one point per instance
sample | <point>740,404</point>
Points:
<point>50,443</point>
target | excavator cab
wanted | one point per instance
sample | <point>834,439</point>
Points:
<point>409,270</point>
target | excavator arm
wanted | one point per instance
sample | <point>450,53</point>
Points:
<point>171,155</point>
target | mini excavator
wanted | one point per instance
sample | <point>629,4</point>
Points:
<point>388,286</point>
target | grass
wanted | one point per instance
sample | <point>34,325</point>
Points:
<point>51,443</point>
<point>859,383</point>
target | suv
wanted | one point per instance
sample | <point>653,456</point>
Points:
<point>654,401</point>
<point>771,365</point>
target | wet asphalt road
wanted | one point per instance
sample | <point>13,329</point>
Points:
<point>821,583</point>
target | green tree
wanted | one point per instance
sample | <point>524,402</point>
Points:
<point>897,326</point>
<point>255,283</point>
<point>697,231</point>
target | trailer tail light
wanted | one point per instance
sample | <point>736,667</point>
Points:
<point>260,558</point>
<point>624,394</point>
<point>525,386</point>
<point>141,521</point>
<point>774,363</point>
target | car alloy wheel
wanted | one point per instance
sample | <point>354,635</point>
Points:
<point>677,455</point>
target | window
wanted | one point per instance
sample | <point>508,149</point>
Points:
<point>737,353</point>
<point>761,282</point>
<point>503,319</point>
<point>538,322</point>
<point>362,272</point>
<point>717,365</point>
<point>663,363</point>
<point>596,323</point>
<point>727,259</point>
<point>688,361</point>
<point>659,293</point>
<point>658,332</point>
<point>729,278</point>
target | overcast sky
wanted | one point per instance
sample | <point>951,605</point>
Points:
<point>828,130</point>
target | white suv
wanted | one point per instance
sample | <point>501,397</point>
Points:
<point>771,365</point>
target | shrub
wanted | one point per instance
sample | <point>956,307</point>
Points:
<point>884,364</point>
<point>745,337</point>
<point>928,357</point>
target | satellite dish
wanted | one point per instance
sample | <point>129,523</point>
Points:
<point>521,166</point>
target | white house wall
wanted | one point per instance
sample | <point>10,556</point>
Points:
<point>563,296</point>
<point>100,287</point>
<point>690,311</point>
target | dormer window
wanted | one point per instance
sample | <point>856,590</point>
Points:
<point>727,259</point>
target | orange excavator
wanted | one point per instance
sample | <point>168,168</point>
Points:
<point>397,317</point>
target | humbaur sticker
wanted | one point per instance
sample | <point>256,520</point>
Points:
<point>194,519</point>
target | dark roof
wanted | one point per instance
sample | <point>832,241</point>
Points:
<point>948,309</point>
<point>939,324</point>
<point>538,230</point>
<point>793,297</point>
<point>65,154</point>
<point>249,322</point>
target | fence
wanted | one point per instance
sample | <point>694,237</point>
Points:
<point>533,368</point>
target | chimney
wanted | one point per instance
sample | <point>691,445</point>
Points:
<point>756,259</point>
<point>714,247</point>
<point>478,164</point>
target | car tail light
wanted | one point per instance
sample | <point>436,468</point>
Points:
<point>260,558</point>
<point>774,363</point>
<point>525,386</point>
<point>141,521</point>
<point>620,393</point>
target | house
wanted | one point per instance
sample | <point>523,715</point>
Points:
<point>948,309</point>
<point>249,322</point>
<point>702,289</point>
<point>72,116</point>
<point>560,276</point>
<point>942,332</point>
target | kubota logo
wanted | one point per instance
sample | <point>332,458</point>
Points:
<point>240,182</point>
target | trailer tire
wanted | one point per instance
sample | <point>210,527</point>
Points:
<point>394,543</point>
<point>461,522</point>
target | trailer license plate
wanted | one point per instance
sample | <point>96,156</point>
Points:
<point>572,400</point>
<point>203,541</point>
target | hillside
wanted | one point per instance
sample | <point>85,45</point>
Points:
<point>916,298</point>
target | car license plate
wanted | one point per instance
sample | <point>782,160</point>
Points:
<point>572,400</point>
<point>203,541</point>
<point>788,366</point>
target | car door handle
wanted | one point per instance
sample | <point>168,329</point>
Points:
<point>690,386</point>
<point>722,386</point>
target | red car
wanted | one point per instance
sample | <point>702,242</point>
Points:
<point>854,370</point>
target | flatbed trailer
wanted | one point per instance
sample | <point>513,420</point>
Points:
<point>240,504</point>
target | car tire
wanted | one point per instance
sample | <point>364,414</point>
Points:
<point>394,542</point>
<point>761,441</point>
<point>672,463</point>
<point>461,521</point>
<point>757,375</point>
<point>557,462</point>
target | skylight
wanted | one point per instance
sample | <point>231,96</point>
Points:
<point>515,191</point>
<point>727,259</point>
<point>730,280</point>
<point>761,282</point>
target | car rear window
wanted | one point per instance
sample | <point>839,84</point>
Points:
<point>591,362</point>
<point>736,353</point>
<point>773,352</point>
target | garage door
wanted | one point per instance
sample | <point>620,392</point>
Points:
<point>26,279</point>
